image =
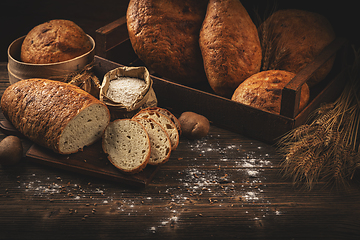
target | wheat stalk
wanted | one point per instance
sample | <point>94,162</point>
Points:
<point>326,148</point>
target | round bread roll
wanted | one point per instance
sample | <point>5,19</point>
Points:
<point>263,90</point>
<point>165,36</point>
<point>230,46</point>
<point>54,41</point>
<point>291,39</point>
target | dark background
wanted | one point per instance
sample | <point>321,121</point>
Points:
<point>19,16</point>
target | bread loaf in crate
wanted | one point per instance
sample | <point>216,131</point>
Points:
<point>230,46</point>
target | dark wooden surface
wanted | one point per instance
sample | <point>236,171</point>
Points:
<point>225,185</point>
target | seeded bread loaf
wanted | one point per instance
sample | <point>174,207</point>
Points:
<point>293,38</point>
<point>54,41</point>
<point>159,141</point>
<point>164,34</point>
<point>230,46</point>
<point>127,144</point>
<point>54,114</point>
<point>165,122</point>
<point>263,90</point>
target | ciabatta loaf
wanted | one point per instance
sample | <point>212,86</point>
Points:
<point>159,140</point>
<point>127,144</point>
<point>54,114</point>
<point>165,122</point>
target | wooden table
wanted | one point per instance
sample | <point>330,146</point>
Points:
<point>225,186</point>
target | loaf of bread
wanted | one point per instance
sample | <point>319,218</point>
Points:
<point>230,46</point>
<point>127,144</point>
<point>291,39</point>
<point>159,141</point>
<point>54,114</point>
<point>263,90</point>
<point>165,122</point>
<point>54,41</point>
<point>164,34</point>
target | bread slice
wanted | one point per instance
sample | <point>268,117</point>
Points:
<point>127,144</point>
<point>165,122</point>
<point>169,115</point>
<point>159,140</point>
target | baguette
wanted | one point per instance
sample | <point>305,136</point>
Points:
<point>127,144</point>
<point>56,115</point>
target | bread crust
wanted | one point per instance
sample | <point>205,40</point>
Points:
<point>54,41</point>
<point>40,108</point>
<point>164,34</point>
<point>230,46</point>
<point>296,37</point>
<point>263,90</point>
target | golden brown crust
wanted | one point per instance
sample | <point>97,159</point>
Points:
<point>164,34</point>
<point>263,90</point>
<point>294,38</point>
<point>230,46</point>
<point>54,41</point>
<point>40,109</point>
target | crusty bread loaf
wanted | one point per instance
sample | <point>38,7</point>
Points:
<point>230,46</point>
<point>167,113</point>
<point>263,90</point>
<point>54,41</point>
<point>159,141</point>
<point>127,144</point>
<point>165,122</point>
<point>54,114</point>
<point>292,38</point>
<point>164,34</point>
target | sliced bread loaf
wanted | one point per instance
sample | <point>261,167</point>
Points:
<point>165,122</point>
<point>159,141</point>
<point>56,115</point>
<point>127,144</point>
<point>169,115</point>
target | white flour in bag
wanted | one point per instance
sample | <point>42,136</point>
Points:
<point>125,90</point>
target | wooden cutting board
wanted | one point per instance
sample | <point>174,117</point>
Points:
<point>91,161</point>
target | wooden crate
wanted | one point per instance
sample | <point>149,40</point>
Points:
<point>113,48</point>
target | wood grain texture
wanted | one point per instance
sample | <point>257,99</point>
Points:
<point>224,185</point>
<point>41,202</point>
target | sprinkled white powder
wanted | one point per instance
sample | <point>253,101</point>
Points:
<point>125,90</point>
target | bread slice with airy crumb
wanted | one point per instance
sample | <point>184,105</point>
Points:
<point>159,141</point>
<point>165,122</point>
<point>169,114</point>
<point>127,144</point>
